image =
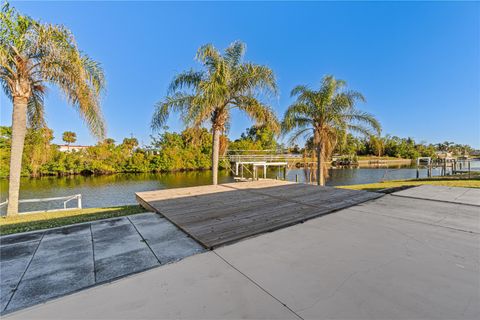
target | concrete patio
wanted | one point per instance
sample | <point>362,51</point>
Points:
<point>38,266</point>
<point>396,257</point>
<point>441,193</point>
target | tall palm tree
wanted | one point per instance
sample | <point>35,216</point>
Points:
<point>32,55</point>
<point>69,137</point>
<point>326,114</point>
<point>209,95</point>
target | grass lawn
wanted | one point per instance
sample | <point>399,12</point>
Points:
<point>453,181</point>
<point>45,220</point>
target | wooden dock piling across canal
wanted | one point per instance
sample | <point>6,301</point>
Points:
<point>222,214</point>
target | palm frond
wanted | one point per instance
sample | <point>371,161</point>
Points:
<point>295,116</point>
<point>305,133</point>
<point>187,79</point>
<point>363,118</point>
<point>250,77</point>
<point>94,74</point>
<point>299,90</point>
<point>199,112</point>
<point>209,56</point>
<point>365,131</point>
<point>178,102</point>
<point>33,54</point>
<point>36,110</point>
<point>225,82</point>
<point>262,114</point>
<point>234,53</point>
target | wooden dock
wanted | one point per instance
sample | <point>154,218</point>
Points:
<point>222,214</point>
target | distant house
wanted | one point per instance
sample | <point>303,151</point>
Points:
<point>70,148</point>
<point>475,153</point>
<point>443,154</point>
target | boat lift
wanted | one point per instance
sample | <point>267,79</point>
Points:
<point>240,166</point>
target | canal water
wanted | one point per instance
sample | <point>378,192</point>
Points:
<point>119,189</point>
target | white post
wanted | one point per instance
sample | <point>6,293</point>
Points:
<point>236,168</point>
<point>79,201</point>
<point>264,171</point>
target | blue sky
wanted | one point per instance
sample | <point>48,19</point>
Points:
<point>416,63</point>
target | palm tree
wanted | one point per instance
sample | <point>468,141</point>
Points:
<point>69,137</point>
<point>209,95</point>
<point>32,55</point>
<point>326,115</point>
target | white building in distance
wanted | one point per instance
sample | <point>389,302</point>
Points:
<point>70,148</point>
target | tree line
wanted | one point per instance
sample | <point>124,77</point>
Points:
<point>396,147</point>
<point>169,151</point>
<point>187,150</point>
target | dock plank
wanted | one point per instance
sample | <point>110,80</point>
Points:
<point>210,203</point>
<point>223,214</point>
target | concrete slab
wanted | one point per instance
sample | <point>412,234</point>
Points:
<point>469,196</point>
<point>22,237</point>
<point>176,249</point>
<point>167,242</point>
<point>13,263</point>
<point>63,263</point>
<point>199,287</point>
<point>124,263</point>
<point>451,215</point>
<point>119,249</point>
<point>115,236</point>
<point>66,261</point>
<point>363,265</point>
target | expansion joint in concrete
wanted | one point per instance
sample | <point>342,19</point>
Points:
<point>144,240</point>
<point>415,221</point>
<point>93,255</point>
<point>258,285</point>
<point>24,272</point>
<point>437,200</point>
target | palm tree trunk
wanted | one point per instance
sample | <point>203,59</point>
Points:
<point>215,152</point>
<point>319,166</point>
<point>19,129</point>
<point>322,166</point>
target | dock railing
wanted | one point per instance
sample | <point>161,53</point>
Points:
<point>259,157</point>
<point>66,199</point>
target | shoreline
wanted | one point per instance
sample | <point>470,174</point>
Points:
<point>369,162</point>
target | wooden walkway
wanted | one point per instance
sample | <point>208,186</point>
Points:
<point>222,214</point>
